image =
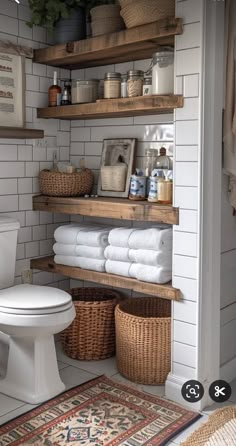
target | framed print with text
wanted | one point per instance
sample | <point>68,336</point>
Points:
<point>11,90</point>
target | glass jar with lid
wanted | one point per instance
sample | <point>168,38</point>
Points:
<point>135,83</point>
<point>163,71</point>
<point>112,85</point>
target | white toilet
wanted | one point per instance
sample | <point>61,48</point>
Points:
<point>30,315</point>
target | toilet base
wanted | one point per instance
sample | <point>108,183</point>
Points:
<point>32,372</point>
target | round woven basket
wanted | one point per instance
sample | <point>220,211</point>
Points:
<point>58,184</point>
<point>91,336</point>
<point>143,339</point>
<point>146,11</point>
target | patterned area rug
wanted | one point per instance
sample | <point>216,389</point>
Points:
<point>100,412</point>
<point>219,430</point>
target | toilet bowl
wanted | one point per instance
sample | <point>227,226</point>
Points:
<point>30,315</point>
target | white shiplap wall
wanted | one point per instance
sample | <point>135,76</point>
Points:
<point>21,160</point>
<point>186,192</point>
<point>228,286</point>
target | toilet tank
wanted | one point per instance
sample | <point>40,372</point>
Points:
<point>8,241</point>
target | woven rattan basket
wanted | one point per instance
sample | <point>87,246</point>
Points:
<point>58,184</point>
<point>91,336</point>
<point>139,12</point>
<point>143,339</point>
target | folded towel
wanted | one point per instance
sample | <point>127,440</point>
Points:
<point>92,252</point>
<point>81,262</point>
<point>153,238</point>
<point>93,237</point>
<point>120,236</point>
<point>119,268</point>
<point>150,257</point>
<point>68,233</point>
<point>148,273</point>
<point>116,253</point>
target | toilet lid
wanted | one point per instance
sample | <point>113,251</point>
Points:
<point>33,299</point>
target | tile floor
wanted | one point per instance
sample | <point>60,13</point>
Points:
<point>76,372</point>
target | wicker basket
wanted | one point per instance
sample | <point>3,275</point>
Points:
<point>58,184</point>
<point>146,11</point>
<point>91,336</point>
<point>143,339</point>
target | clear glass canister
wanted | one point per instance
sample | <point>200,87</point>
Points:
<point>84,91</point>
<point>135,83</point>
<point>163,72</point>
<point>112,86</point>
<point>150,161</point>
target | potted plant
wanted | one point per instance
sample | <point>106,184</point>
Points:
<point>66,19</point>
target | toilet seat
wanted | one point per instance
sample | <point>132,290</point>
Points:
<point>33,300</point>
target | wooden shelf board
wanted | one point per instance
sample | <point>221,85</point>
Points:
<point>131,44</point>
<point>141,105</point>
<point>20,133</point>
<point>165,291</point>
<point>118,208</point>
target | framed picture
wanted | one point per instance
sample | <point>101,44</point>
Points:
<point>117,166</point>
<point>11,90</point>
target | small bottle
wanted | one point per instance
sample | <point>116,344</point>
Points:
<point>66,93</point>
<point>124,86</point>
<point>147,86</point>
<point>54,92</point>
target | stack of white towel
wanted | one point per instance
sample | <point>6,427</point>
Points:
<point>81,246</point>
<point>143,254</point>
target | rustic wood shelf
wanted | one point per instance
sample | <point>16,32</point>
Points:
<point>119,208</point>
<point>20,133</point>
<point>131,44</point>
<point>112,108</point>
<point>165,291</point>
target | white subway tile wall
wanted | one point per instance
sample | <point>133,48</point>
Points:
<point>21,160</point>
<point>83,139</point>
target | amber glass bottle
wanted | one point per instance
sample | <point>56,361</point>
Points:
<point>54,92</point>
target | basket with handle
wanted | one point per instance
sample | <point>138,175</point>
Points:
<point>60,184</point>
<point>91,336</point>
<point>143,339</point>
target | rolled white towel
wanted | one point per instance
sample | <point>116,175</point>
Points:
<point>68,233</point>
<point>81,262</point>
<point>120,236</point>
<point>152,238</point>
<point>151,257</point>
<point>118,268</point>
<point>92,252</point>
<point>117,253</point>
<point>148,273</point>
<point>93,237</point>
